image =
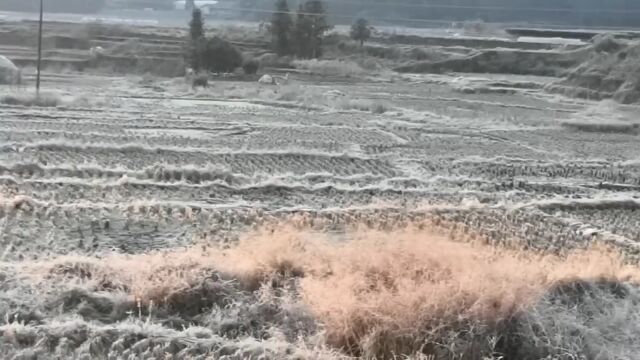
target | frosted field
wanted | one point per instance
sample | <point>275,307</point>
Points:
<point>120,166</point>
<point>130,165</point>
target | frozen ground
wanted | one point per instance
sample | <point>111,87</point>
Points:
<point>117,151</point>
<point>129,165</point>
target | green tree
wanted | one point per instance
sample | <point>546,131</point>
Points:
<point>361,31</point>
<point>196,44</point>
<point>300,33</point>
<point>196,25</point>
<point>281,24</point>
<point>310,26</point>
<point>221,56</point>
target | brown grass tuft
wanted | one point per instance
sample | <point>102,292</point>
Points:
<point>377,294</point>
<point>381,293</point>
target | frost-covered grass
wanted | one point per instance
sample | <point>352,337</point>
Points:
<point>288,292</point>
<point>44,99</point>
<point>330,67</point>
<point>605,117</point>
<point>605,126</point>
<point>307,96</point>
<point>92,189</point>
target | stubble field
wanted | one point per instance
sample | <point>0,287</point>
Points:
<point>323,218</point>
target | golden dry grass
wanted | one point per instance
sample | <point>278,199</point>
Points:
<point>377,294</point>
<point>382,293</point>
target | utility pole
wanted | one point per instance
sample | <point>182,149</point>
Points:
<point>39,48</point>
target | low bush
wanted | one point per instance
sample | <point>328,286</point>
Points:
<point>251,67</point>
<point>220,56</point>
<point>359,104</point>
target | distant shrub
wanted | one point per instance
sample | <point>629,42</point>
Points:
<point>419,54</point>
<point>200,81</point>
<point>309,29</point>
<point>361,31</point>
<point>384,52</point>
<point>220,56</point>
<point>379,109</point>
<point>281,24</point>
<point>251,67</point>
<point>371,64</point>
<point>210,54</point>
<point>360,105</point>
<point>607,43</point>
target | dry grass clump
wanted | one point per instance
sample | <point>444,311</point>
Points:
<point>29,99</point>
<point>418,291</point>
<point>580,320</point>
<point>359,104</point>
<point>376,294</point>
<point>604,116</point>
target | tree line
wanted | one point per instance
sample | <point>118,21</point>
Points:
<point>301,35</point>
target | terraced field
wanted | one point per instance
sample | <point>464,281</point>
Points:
<point>198,153</point>
<point>124,167</point>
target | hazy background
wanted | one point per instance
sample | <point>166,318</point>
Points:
<point>570,13</point>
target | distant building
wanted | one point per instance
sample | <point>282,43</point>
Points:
<point>207,6</point>
<point>139,4</point>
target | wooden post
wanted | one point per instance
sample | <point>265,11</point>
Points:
<point>39,48</point>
